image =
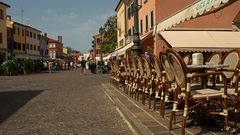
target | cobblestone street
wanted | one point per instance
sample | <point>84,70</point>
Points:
<point>60,103</point>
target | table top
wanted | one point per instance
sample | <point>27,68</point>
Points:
<point>207,66</point>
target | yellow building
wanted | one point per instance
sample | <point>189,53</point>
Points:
<point>121,24</point>
<point>65,50</point>
<point>33,42</point>
<point>26,41</point>
<point>3,31</point>
<point>19,38</point>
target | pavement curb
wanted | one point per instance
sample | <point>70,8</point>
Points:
<point>138,127</point>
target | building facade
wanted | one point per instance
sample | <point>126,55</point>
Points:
<point>121,24</point>
<point>43,46</point>
<point>55,48</point>
<point>153,12</point>
<point>10,40</point>
<point>219,20</point>
<point>3,31</point>
<point>26,41</point>
<point>97,46</point>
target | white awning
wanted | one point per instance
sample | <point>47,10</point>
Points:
<point>198,40</point>
<point>192,11</point>
<point>122,51</point>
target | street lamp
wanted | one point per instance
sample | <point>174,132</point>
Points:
<point>136,50</point>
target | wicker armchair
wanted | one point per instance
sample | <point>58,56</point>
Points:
<point>197,100</point>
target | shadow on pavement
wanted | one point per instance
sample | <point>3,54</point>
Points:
<point>11,101</point>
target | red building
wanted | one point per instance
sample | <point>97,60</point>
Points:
<point>55,48</point>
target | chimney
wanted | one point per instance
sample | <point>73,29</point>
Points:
<point>60,39</point>
<point>45,34</point>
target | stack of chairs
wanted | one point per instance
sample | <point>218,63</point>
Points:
<point>167,80</point>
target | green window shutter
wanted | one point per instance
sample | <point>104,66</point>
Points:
<point>141,26</point>
<point>129,13</point>
<point>146,22</point>
<point>152,19</point>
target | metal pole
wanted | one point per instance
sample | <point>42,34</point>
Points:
<point>136,50</point>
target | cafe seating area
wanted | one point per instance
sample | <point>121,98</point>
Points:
<point>188,89</point>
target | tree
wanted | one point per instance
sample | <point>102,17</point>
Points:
<point>109,32</point>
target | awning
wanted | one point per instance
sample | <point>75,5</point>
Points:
<point>122,51</point>
<point>192,11</point>
<point>202,40</point>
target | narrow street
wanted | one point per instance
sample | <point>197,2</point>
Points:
<point>60,103</point>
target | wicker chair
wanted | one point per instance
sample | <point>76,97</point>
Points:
<point>232,58</point>
<point>148,80</point>
<point>159,80</point>
<point>140,77</point>
<point>170,86</point>
<point>127,69</point>
<point>194,99</point>
<point>135,75</point>
<point>215,58</point>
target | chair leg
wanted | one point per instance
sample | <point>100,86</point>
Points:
<point>184,124</point>
<point>150,101</point>
<point>143,97</point>
<point>171,119</point>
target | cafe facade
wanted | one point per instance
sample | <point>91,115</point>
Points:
<point>197,26</point>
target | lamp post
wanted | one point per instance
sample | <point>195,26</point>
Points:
<point>136,50</point>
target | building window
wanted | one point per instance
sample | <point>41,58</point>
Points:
<point>141,26</point>
<point>146,23</point>
<point>18,31</point>
<point>34,35</point>
<point>15,45</point>
<point>14,30</point>
<point>129,32</point>
<point>27,46</point>
<point>54,54</point>
<point>23,47</point>
<point>1,14</point>
<point>132,9</point>
<point>132,30</point>
<point>152,19</point>
<point>140,3</point>
<point>1,38</point>
<point>19,46</point>
<point>34,47</point>
<point>27,33</point>
<point>22,32</point>
<point>30,34</point>
<point>129,13</point>
<point>31,47</point>
<point>38,48</point>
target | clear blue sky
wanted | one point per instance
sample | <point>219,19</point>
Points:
<point>76,20</point>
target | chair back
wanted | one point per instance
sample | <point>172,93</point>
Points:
<point>166,66</point>
<point>140,66</point>
<point>134,66</point>
<point>157,66</point>
<point>187,59</point>
<point>215,58</point>
<point>178,67</point>
<point>232,58</point>
<point>147,66</point>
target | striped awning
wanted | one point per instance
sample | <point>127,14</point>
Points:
<point>192,11</point>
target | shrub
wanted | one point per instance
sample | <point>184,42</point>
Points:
<point>9,67</point>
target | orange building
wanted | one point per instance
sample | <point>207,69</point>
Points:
<point>153,14</point>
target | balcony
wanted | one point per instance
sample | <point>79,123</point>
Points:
<point>128,39</point>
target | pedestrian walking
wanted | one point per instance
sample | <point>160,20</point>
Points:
<point>83,66</point>
<point>50,67</point>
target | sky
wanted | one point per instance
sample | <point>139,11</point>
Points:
<point>75,20</point>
